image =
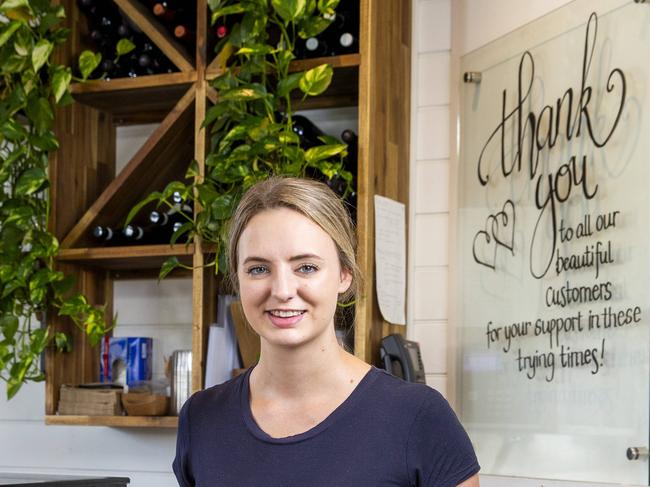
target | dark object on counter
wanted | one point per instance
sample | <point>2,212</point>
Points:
<point>402,358</point>
<point>18,479</point>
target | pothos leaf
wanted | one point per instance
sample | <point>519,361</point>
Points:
<point>88,62</point>
<point>13,386</point>
<point>124,46</point>
<point>313,26</point>
<point>315,81</point>
<point>41,53</point>
<point>289,10</point>
<point>8,326</point>
<point>40,113</point>
<point>247,93</point>
<point>30,181</point>
<point>13,4</point>
<point>62,342</point>
<point>222,207</point>
<point>321,152</point>
<point>288,84</point>
<point>8,30</point>
<point>327,6</point>
<point>136,209</point>
<point>168,266</point>
<point>238,8</point>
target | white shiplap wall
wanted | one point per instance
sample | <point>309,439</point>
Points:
<point>429,192</point>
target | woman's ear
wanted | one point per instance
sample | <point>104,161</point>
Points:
<point>345,281</point>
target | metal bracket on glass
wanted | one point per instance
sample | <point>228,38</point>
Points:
<point>472,77</point>
<point>637,453</point>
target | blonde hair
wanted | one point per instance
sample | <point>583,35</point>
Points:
<point>311,199</point>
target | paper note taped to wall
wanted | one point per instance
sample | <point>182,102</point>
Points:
<point>390,259</point>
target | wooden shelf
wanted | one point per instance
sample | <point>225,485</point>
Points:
<point>154,95</point>
<point>128,258</point>
<point>85,190</point>
<point>337,62</point>
<point>164,157</point>
<point>342,92</point>
<point>342,61</point>
<point>114,421</point>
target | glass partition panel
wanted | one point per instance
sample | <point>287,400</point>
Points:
<point>553,245</point>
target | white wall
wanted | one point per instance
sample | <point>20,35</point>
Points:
<point>443,30</point>
<point>427,314</point>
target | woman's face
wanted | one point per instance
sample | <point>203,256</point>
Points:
<point>289,277</point>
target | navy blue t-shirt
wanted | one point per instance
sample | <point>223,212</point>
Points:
<point>388,432</point>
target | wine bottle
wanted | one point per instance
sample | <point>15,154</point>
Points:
<point>106,235</point>
<point>221,30</point>
<point>93,8</point>
<point>163,225</point>
<point>228,24</point>
<point>307,131</point>
<point>315,47</point>
<point>133,234</point>
<point>183,33</point>
<point>105,26</point>
<point>164,12</point>
<point>179,20</point>
<point>347,43</point>
<point>342,34</point>
<point>125,30</point>
<point>180,204</point>
<point>350,138</point>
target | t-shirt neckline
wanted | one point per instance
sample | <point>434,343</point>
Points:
<point>334,416</point>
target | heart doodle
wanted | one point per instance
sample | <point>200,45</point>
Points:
<point>503,230</point>
<point>484,249</point>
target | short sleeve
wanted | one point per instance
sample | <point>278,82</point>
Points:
<point>439,452</point>
<point>181,465</point>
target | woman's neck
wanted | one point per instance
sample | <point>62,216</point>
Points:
<point>305,371</point>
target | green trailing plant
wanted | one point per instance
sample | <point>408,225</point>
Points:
<point>250,126</point>
<point>31,86</point>
<point>90,60</point>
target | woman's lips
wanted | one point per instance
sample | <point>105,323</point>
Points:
<point>282,322</point>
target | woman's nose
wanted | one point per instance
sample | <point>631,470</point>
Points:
<point>284,285</point>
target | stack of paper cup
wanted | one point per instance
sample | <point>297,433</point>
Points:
<point>181,379</point>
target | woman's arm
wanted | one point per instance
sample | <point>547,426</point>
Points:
<point>470,482</point>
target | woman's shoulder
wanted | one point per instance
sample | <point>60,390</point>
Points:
<point>400,391</point>
<point>400,402</point>
<point>224,395</point>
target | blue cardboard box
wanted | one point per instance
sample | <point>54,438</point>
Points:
<point>125,360</point>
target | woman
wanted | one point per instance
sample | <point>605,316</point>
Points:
<point>310,414</point>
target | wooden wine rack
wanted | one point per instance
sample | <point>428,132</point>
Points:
<point>85,190</point>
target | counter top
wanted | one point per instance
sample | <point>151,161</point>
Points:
<point>36,480</point>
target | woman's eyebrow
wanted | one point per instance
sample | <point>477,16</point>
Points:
<point>305,256</point>
<point>253,258</point>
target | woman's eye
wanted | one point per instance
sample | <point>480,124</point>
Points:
<point>307,268</point>
<point>257,270</point>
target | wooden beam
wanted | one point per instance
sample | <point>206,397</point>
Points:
<point>124,179</point>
